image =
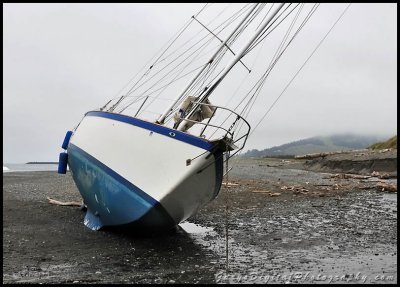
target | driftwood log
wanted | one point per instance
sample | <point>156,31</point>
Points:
<point>350,175</point>
<point>68,203</point>
<point>386,187</point>
<point>324,154</point>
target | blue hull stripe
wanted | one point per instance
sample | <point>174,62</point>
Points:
<point>175,134</point>
<point>108,195</point>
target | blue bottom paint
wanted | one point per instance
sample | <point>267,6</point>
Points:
<point>111,199</point>
<point>92,221</point>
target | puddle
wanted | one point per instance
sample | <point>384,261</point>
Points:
<point>239,256</point>
<point>192,228</point>
<point>206,237</point>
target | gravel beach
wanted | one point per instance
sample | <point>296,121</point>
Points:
<point>275,222</point>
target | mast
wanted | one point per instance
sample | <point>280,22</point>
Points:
<point>223,44</point>
<point>230,66</point>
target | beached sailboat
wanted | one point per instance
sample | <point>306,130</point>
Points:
<point>138,167</point>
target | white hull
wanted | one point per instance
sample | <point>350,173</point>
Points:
<point>150,157</point>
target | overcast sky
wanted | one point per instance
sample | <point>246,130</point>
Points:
<point>62,60</point>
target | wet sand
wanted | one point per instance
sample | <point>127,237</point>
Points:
<point>285,224</point>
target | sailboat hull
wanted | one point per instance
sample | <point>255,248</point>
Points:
<point>135,173</point>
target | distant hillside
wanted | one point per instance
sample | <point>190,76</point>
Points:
<point>316,145</point>
<point>390,143</point>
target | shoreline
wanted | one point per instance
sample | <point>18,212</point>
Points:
<point>320,223</point>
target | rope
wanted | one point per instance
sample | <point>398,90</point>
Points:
<point>227,214</point>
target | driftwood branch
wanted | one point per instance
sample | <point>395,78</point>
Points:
<point>68,203</point>
<point>229,184</point>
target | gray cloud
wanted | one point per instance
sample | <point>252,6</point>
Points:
<point>61,60</point>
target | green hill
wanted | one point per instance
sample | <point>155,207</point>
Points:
<point>316,145</point>
<point>390,143</point>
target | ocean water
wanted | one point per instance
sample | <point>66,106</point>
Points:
<point>18,167</point>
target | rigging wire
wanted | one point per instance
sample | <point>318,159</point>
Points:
<point>234,17</point>
<point>173,61</point>
<point>200,88</point>
<point>178,34</point>
<point>312,11</point>
<point>302,66</point>
<point>160,88</point>
<point>209,75</point>
<point>259,38</point>
<point>249,106</point>
<point>265,16</point>
<point>170,72</point>
<point>175,37</point>
<point>262,79</point>
<point>272,64</point>
<point>268,71</point>
<point>235,37</point>
<point>211,62</point>
<point>151,60</point>
<point>203,77</point>
<point>175,69</point>
<point>252,65</point>
<point>231,19</point>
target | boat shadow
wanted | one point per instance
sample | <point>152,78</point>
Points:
<point>141,232</point>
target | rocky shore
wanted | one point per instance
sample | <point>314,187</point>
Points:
<point>360,162</point>
<point>274,221</point>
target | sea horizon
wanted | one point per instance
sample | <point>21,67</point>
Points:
<point>20,167</point>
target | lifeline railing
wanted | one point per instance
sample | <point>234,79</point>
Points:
<point>224,124</point>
